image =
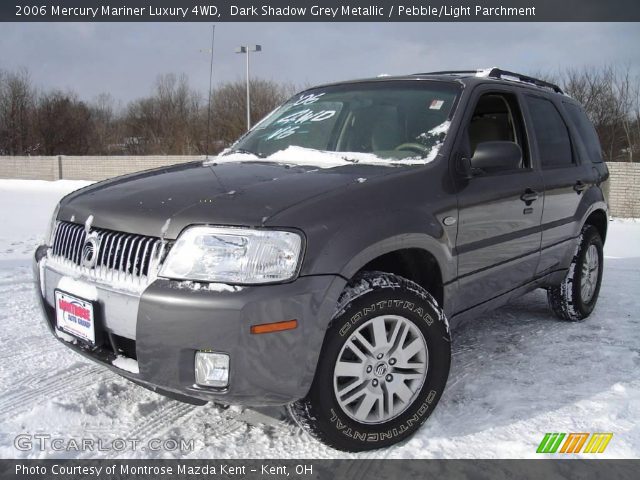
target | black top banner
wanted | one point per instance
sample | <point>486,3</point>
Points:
<point>320,11</point>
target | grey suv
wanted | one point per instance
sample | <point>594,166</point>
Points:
<point>319,262</point>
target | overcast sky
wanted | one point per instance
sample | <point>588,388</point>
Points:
<point>124,59</point>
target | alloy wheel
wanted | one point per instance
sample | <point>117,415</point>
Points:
<point>380,369</point>
<point>590,272</point>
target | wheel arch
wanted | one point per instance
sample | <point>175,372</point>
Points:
<point>598,218</point>
<point>416,264</point>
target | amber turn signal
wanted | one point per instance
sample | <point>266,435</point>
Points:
<point>274,327</point>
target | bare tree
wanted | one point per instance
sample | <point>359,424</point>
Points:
<point>230,106</point>
<point>16,104</point>
<point>105,132</point>
<point>167,122</point>
<point>172,119</point>
<point>609,96</point>
<point>62,124</point>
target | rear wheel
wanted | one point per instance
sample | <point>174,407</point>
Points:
<point>575,298</point>
<point>383,366</point>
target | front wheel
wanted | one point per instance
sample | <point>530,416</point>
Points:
<point>383,366</point>
<point>575,298</point>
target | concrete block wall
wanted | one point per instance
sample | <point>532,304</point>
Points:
<point>29,168</point>
<point>100,168</point>
<point>84,167</point>
<point>624,189</point>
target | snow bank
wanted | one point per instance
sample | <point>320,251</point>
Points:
<point>26,210</point>
<point>63,186</point>
<point>624,220</point>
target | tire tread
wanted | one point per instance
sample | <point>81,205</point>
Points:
<point>563,298</point>
<point>302,410</point>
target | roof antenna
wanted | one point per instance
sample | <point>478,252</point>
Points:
<point>213,33</point>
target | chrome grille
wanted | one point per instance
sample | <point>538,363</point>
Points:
<point>121,255</point>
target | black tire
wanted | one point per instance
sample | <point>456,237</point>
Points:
<point>566,300</point>
<point>371,295</point>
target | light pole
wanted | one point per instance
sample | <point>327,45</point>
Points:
<point>246,49</point>
<point>213,33</point>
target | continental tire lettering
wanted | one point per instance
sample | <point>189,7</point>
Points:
<point>359,436</point>
<point>415,419</point>
<point>412,420</point>
<point>387,435</point>
<point>356,317</point>
<point>368,310</point>
<point>333,417</point>
<point>385,303</point>
<point>382,305</point>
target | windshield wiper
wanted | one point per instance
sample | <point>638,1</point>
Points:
<point>244,150</point>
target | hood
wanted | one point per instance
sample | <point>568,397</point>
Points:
<point>238,194</point>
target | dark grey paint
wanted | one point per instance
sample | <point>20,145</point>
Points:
<point>493,253</point>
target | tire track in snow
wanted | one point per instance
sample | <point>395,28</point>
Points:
<point>227,426</point>
<point>42,380</point>
<point>156,421</point>
<point>35,387</point>
<point>43,345</point>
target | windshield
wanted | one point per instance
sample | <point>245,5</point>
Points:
<point>390,119</point>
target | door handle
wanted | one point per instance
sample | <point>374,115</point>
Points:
<point>580,187</point>
<point>529,196</point>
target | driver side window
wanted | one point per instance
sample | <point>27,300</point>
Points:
<point>497,117</point>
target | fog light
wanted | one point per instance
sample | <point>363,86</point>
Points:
<point>212,369</point>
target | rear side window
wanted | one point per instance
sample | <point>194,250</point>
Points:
<point>552,135</point>
<point>586,131</point>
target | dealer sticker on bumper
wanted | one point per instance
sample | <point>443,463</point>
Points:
<point>75,316</point>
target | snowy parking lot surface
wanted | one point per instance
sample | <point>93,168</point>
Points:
<point>516,374</point>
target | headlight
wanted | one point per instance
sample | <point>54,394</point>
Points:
<point>48,239</point>
<point>233,255</point>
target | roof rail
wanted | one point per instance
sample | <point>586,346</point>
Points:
<point>501,74</point>
<point>451,72</point>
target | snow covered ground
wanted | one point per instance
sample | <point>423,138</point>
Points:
<point>517,373</point>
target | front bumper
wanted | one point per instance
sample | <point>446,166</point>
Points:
<point>173,322</point>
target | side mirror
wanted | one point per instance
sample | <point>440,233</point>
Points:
<point>500,155</point>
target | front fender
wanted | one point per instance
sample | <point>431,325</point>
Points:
<point>346,250</point>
